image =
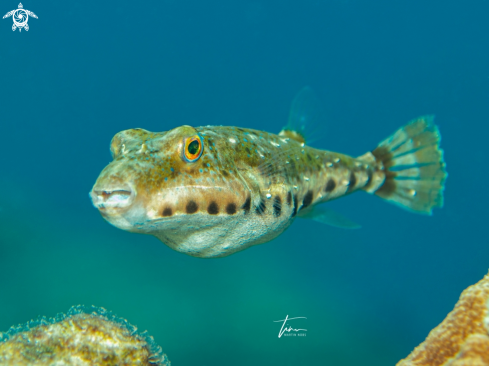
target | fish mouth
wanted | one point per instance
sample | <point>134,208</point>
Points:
<point>116,197</point>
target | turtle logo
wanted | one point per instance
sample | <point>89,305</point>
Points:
<point>20,17</point>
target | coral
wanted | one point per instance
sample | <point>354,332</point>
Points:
<point>94,336</point>
<point>84,336</point>
<point>462,339</point>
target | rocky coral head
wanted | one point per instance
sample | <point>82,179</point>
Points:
<point>84,336</point>
<point>462,339</point>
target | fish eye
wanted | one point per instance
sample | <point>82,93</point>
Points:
<point>192,148</point>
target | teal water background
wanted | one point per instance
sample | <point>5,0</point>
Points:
<point>86,70</point>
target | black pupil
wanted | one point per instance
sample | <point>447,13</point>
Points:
<point>193,147</point>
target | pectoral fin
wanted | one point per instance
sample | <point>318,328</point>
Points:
<point>329,217</point>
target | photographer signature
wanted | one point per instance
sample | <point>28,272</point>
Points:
<point>289,328</point>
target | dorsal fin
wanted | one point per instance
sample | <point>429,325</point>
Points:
<point>294,135</point>
<point>304,113</point>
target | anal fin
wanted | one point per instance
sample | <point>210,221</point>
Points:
<point>329,217</point>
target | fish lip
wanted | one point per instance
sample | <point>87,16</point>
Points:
<point>112,197</point>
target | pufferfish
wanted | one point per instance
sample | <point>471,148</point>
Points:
<point>212,191</point>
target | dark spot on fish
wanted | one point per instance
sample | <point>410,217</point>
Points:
<point>307,199</point>
<point>277,206</point>
<point>191,207</point>
<point>389,186</point>
<point>225,173</point>
<point>292,164</point>
<point>167,211</point>
<point>330,186</point>
<point>248,150</point>
<point>260,209</point>
<point>289,198</point>
<point>382,153</point>
<point>247,205</point>
<point>309,157</point>
<point>352,183</point>
<point>231,208</point>
<point>294,210</point>
<point>213,208</point>
<point>240,129</point>
<point>369,179</point>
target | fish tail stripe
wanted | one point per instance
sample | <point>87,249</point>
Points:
<point>414,167</point>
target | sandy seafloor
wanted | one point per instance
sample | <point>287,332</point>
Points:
<point>86,70</point>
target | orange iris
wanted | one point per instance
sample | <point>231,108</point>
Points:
<point>192,148</point>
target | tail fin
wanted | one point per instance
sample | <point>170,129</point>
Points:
<point>414,167</point>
